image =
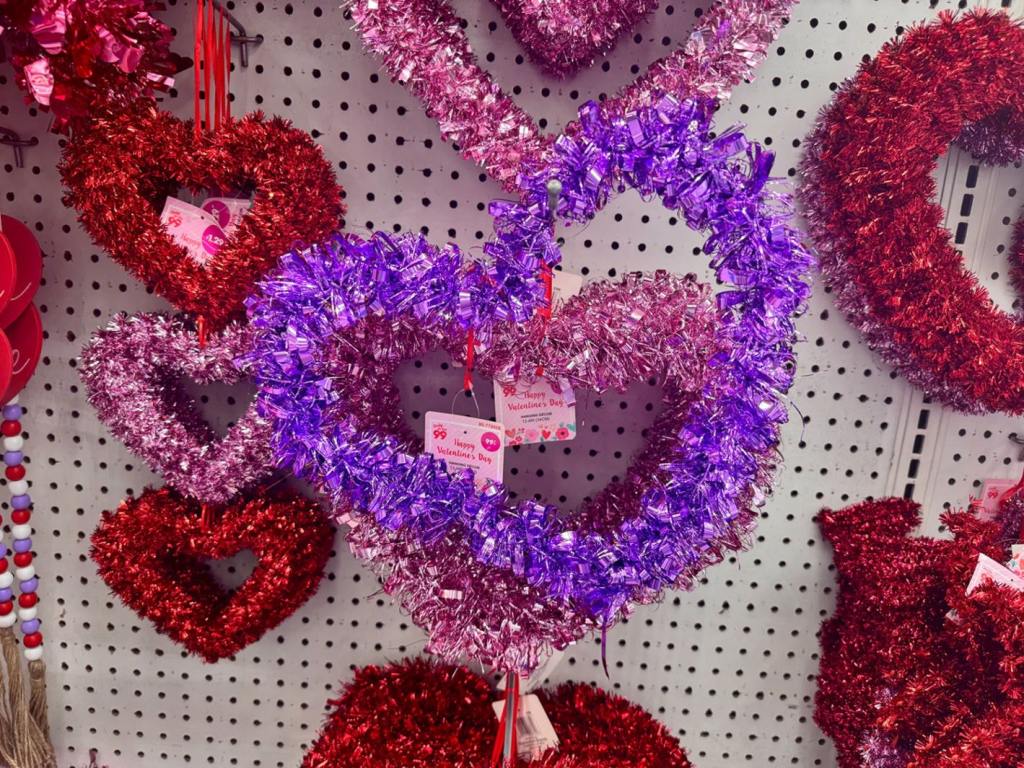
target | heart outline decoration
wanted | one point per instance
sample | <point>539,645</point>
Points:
<point>132,372</point>
<point>129,162</point>
<point>725,456</point>
<point>565,37</point>
<point>150,553</point>
<point>422,44</point>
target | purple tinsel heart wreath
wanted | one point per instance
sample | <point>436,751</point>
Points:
<point>133,371</point>
<point>718,469</point>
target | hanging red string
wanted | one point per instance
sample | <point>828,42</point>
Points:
<point>467,377</point>
<point>198,62</point>
<point>511,709</point>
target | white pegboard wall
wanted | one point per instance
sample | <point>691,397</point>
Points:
<point>729,667</point>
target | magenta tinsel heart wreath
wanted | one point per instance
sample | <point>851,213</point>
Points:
<point>423,45</point>
<point>566,36</point>
<point>133,371</point>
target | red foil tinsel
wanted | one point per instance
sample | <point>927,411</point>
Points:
<point>912,668</point>
<point>869,191</point>
<point>153,552</point>
<point>119,172</point>
<point>418,714</point>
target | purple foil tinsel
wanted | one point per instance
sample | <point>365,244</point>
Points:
<point>133,371</point>
<point>718,459</point>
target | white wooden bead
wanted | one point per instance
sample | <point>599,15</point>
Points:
<point>9,620</point>
<point>18,487</point>
<point>15,443</point>
<point>34,654</point>
<point>26,573</point>
<point>23,531</point>
<point>6,579</point>
<point>27,614</point>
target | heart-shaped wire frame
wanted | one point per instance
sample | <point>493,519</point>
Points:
<point>423,45</point>
<point>724,457</point>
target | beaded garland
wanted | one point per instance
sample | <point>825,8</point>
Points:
<point>24,571</point>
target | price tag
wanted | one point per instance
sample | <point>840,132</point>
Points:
<point>992,491</point>
<point>988,570</point>
<point>195,230</point>
<point>467,443</point>
<point>534,733</point>
<point>537,412</point>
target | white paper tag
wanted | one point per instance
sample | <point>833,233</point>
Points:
<point>988,570</point>
<point>537,412</point>
<point>467,442</point>
<point>992,491</point>
<point>228,211</point>
<point>194,229</point>
<point>534,733</point>
<point>1016,562</point>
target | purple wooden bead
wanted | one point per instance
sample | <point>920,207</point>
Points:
<point>23,545</point>
<point>3,550</point>
<point>6,595</point>
<point>30,626</point>
<point>24,501</point>
<point>29,586</point>
<point>13,458</point>
<point>12,412</point>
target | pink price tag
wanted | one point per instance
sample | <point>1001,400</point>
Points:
<point>465,442</point>
<point>992,492</point>
<point>193,229</point>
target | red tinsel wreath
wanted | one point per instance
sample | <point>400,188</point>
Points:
<point>418,714</point>
<point>119,171</point>
<point>152,552</point>
<point>868,191</point>
<point>891,668</point>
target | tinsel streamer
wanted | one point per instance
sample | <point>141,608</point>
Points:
<point>869,191</point>
<point>699,502</point>
<point>130,163</point>
<point>417,714</point>
<point>153,552</point>
<point>80,58</point>
<point>895,592</point>
<point>567,36</point>
<point>133,371</point>
<point>422,45</point>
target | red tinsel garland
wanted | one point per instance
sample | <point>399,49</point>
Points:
<point>119,171</point>
<point>901,683</point>
<point>868,189</point>
<point>418,714</point>
<point>152,553</point>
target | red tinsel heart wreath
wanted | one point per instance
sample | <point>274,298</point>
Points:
<point>119,171</point>
<point>418,714</point>
<point>152,553</point>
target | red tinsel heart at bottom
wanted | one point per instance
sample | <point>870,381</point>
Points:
<point>153,554</point>
<point>419,714</point>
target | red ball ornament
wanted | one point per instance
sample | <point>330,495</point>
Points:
<point>153,553</point>
<point>869,196</point>
<point>3,564</point>
<point>446,721</point>
<point>33,640</point>
<point>23,559</point>
<point>129,162</point>
<point>21,516</point>
<point>10,428</point>
<point>6,607</point>
<point>17,472</point>
<point>27,599</point>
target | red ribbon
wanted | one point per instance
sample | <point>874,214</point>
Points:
<point>511,705</point>
<point>467,377</point>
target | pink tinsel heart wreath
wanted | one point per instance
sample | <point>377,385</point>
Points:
<point>566,36</point>
<point>132,371</point>
<point>423,45</point>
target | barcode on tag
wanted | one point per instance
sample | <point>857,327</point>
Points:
<point>534,733</point>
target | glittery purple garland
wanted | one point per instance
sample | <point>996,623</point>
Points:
<point>132,371</point>
<point>722,464</point>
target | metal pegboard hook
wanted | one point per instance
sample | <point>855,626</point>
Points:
<point>12,139</point>
<point>239,35</point>
<point>1018,440</point>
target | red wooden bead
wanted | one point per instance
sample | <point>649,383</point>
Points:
<point>20,516</point>
<point>28,599</point>
<point>11,428</point>
<point>33,641</point>
<point>6,607</point>
<point>16,472</point>
<point>23,559</point>
<point>3,564</point>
